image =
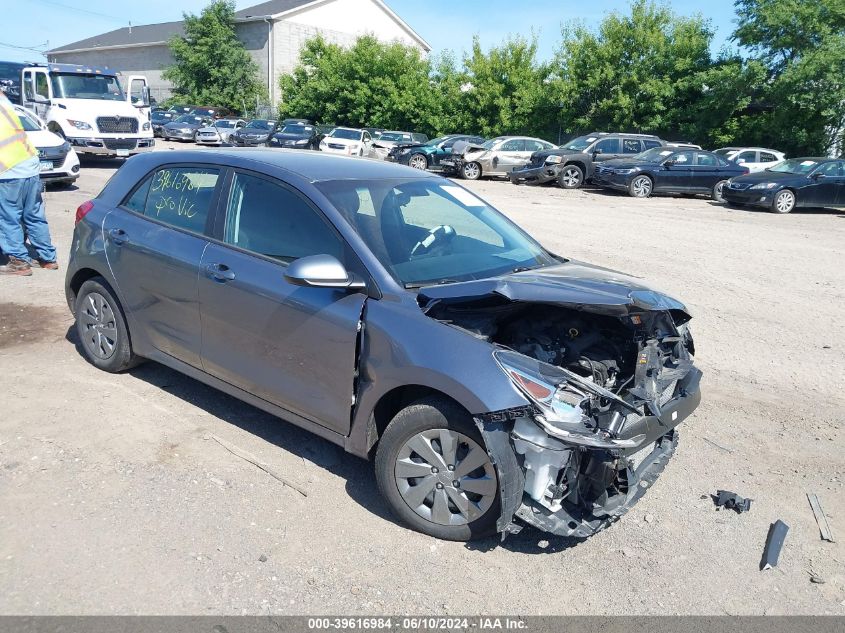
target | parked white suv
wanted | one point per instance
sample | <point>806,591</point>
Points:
<point>754,158</point>
<point>59,163</point>
<point>88,106</point>
<point>348,141</point>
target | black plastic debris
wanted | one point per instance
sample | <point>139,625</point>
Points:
<point>731,501</point>
<point>774,543</point>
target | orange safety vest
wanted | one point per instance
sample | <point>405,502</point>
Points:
<point>15,148</point>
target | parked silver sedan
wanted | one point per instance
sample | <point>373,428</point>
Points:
<point>497,157</point>
<point>219,132</point>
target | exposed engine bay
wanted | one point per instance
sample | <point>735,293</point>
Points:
<point>606,393</point>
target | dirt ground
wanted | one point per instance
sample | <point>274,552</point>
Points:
<point>115,499</point>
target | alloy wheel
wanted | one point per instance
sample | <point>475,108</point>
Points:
<point>641,187</point>
<point>99,328</point>
<point>785,201</point>
<point>571,178</point>
<point>472,171</point>
<point>418,162</point>
<point>445,477</point>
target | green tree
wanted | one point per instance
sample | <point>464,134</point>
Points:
<point>369,84</point>
<point>637,72</point>
<point>801,46</point>
<point>504,91</point>
<point>212,66</point>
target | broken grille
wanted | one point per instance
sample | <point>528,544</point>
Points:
<point>117,124</point>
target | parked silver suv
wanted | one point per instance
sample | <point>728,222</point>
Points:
<point>396,314</point>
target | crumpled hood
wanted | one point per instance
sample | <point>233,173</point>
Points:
<point>573,284</point>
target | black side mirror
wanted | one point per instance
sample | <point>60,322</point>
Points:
<point>817,175</point>
<point>668,163</point>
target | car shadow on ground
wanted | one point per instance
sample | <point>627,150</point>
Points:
<point>360,479</point>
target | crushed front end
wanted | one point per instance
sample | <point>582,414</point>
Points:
<point>606,386</point>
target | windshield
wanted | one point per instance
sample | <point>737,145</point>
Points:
<point>580,143</point>
<point>161,116</point>
<point>29,124</point>
<point>298,130</point>
<point>724,151</point>
<point>351,135</point>
<point>429,231</point>
<point>83,86</point>
<point>654,155</point>
<point>795,166</point>
<point>260,124</point>
<point>492,142</point>
<point>189,118</point>
<point>225,123</point>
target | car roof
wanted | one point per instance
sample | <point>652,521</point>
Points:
<point>310,166</point>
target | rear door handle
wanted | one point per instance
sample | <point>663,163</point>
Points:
<point>220,272</point>
<point>118,236</point>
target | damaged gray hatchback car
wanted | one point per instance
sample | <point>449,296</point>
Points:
<point>393,312</point>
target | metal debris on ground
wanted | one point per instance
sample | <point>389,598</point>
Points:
<point>774,543</point>
<point>821,519</point>
<point>719,446</point>
<point>731,501</point>
<point>252,459</point>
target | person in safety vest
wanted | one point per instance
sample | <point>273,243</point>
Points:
<point>20,198</point>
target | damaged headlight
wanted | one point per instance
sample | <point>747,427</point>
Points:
<point>563,399</point>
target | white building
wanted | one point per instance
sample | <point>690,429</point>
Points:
<point>273,32</point>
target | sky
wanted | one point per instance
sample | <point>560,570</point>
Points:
<point>445,24</point>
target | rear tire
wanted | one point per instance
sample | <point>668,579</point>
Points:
<point>429,502</point>
<point>716,194</point>
<point>570,177</point>
<point>102,329</point>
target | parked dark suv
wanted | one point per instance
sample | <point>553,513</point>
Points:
<point>395,313</point>
<point>572,164</point>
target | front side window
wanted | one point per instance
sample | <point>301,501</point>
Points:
<point>832,169</point>
<point>41,85</point>
<point>534,146</point>
<point>683,158</point>
<point>432,231</point>
<point>513,145</point>
<point>268,219</point>
<point>650,143</point>
<point>607,146</point>
<point>178,196</point>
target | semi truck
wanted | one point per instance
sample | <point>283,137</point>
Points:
<point>88,106</point>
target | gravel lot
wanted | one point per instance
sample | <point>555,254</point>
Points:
<point>114,499</point>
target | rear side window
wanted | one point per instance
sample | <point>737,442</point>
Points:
<point>534,146</point>
<point>648,144</point>
<point>631,146</point>
<point>706,160</point>
<point>178,196</point>
<point>270,220</point>
<point>766,157</point>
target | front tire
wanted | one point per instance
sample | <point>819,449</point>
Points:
<point>641,187</point>
<point>571,177</point>
<point>102,328</point>
<point>784,202</point>
<point>471,171</point>
<point>433,470</point>
<point>418,161</point>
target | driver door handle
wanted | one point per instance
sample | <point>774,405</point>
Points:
<point>219,272</point>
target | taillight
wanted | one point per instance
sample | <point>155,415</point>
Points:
<point>83,210</point>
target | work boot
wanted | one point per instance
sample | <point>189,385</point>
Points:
<point>16,267</point>
<point>47,265</point>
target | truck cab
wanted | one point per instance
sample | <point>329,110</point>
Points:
<point>88,106</point>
